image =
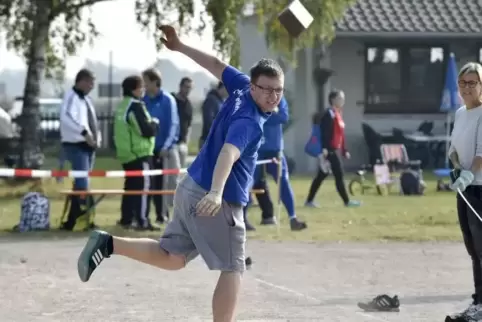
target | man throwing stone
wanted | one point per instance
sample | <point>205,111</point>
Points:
<point>209,200</point>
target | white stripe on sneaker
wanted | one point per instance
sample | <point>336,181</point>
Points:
<point>94,259</point>
<point>97,257</point>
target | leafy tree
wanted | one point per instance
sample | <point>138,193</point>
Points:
<point>45,32</point>
<point>322,30</point>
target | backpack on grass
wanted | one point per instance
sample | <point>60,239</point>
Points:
<point>411,183</point>
<point>34,213</point>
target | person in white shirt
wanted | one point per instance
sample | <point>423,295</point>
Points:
<point>79,132</point>
<point>465,153</point>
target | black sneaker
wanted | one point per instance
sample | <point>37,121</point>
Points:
<point>93,254</point>
<point>248,262</point>
<point>149,227</point>
<point>124,226</point>
<point>472,314</point>
<point>297,225</point>
<point>268,221</point>
<point>381,303</point>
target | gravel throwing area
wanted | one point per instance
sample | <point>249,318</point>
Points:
<point>289,281</point>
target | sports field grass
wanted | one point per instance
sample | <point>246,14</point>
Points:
<point>428,218</point>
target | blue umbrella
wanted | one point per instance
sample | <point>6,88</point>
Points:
<point>450,97</point>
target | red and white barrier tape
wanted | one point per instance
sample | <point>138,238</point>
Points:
<point>29,173</point>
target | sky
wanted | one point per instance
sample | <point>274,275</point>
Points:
<point>114,32</point>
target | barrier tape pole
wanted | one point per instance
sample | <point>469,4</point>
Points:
<point>278,210</point>
<point>30,173</point>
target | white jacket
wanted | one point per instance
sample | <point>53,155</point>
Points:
<point>74,118</point>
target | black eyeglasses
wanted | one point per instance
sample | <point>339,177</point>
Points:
<point>269,90</point>
<point>469,84</point>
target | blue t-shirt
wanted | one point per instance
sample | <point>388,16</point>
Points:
<point>240,123</point>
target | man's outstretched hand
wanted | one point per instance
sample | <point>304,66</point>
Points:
<point>171,39</point>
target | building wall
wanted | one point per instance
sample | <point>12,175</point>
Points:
<point>348,62</point>
<point>298,85</point>
<point>347,58</point>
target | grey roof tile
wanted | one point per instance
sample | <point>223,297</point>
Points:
<point>463,16</point>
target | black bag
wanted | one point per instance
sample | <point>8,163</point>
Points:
<point>80,212</point>
<point>411,182</point>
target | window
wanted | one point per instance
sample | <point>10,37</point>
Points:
<point>464,52</point>
<point>425,80</point>
<point>404,79</point>
<point>50,108</point>
<point>103,90</point>
<point>383,75</point>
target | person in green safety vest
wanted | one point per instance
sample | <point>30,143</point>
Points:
<point>134,134</point>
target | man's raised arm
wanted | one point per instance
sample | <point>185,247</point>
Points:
<point>209,62</point>
<point>213,64</point>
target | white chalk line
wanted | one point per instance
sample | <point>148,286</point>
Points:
<point>288,290</point>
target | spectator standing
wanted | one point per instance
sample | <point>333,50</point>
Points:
<point>80,136</point>
<point>162,105</point>
<point>184,109</point>
<point>210,108</point>
<point>333,144</point>
<point>272,147</point>
<point>465,153</point>
<point>134,137</point>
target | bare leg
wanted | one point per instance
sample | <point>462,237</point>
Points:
<point>226,296</point>
<point>147,251</point>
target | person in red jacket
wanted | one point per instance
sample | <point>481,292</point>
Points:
<point>333,144</point>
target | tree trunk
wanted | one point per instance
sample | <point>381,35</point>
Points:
<point>31,155</point>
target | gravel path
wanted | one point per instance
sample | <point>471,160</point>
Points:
<point>288,282</point>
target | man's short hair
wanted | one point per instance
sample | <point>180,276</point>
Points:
<point>130,84</point>
<point>153,75</point>
<point>266,67</point>
<point>84,74</point>
<point>185,80</point>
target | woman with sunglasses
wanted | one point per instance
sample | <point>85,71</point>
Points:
<point>466,155</point>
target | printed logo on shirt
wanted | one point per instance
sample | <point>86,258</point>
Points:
<point>262,140</point>
<point>237,101</point>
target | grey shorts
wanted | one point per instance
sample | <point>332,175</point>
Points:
<point>220,239</point>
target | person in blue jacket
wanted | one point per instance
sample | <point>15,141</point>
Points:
<point>162,105</point>
<point>272,147</point>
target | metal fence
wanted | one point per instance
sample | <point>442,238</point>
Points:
<point>50,131</point>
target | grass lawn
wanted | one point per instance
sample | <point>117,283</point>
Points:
<point>430,217</point>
